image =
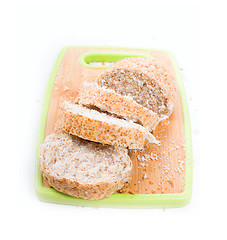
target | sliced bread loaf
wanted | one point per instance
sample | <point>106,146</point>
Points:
<point>143,79</point>
<point>83,169</point>
<point>91,94</point>
<point>99,127</point>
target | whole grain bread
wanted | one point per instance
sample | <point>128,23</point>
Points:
<point>99,127</point>
<point>91,94</point>
<point>83,169</point>
<point>145,81</point>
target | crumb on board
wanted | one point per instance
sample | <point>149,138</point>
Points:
<point>170,182</point>
<point>149,161</point>
<point>147,157</point>
<point>145,176</point>
<point>142,164</point>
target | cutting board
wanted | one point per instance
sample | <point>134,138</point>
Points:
<point>162,175</point>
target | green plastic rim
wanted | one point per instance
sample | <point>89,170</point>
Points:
<point>117,200</point>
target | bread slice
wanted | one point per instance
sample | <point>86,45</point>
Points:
<point>143,79</point>
<point>91,94</point>
<point>99,127</point>
<point>83,169</point>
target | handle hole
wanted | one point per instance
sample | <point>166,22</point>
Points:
<point>104,59</point>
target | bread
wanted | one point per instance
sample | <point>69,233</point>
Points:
<point>99,127</point>
<point>145,81</point>
<point>91,94</point>
<point>83,169</point>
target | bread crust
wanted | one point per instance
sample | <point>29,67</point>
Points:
<point>88,191</point>
<point>100,131</point>
<point>74,188</point>
<point>91,94</point>
<point>148,68</point>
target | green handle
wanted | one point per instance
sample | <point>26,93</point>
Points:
<point>101,56</point>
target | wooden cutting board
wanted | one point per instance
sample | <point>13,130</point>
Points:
<point>157,170</point>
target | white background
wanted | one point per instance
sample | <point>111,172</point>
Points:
<point>33,35</point>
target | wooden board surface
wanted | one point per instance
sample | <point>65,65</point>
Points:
<point>156,169</point>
